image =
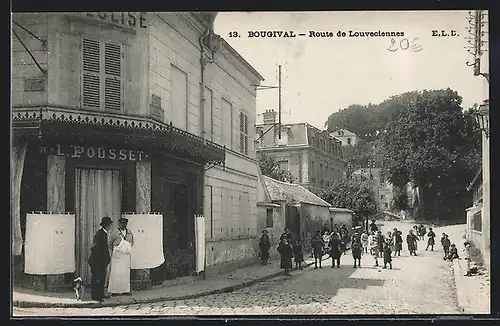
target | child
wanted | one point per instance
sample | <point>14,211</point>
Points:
<point>467,257</point>
<point>387,255</point>
<point>264,245</point>
<point>286,256</point>
<point>398,243</point>
<point>317,247</point>
<point>364,241</point>
<point>380,241</point>
<point>453,253</point>
<point>445,242</point>
<point>356,249</point>
<point>335,252</point>
<point>374,248</point>
<point>298,254</point>
<point>431,241</point>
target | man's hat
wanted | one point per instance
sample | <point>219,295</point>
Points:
<point>106,220</point>
<point>264,231</point>
<point>123,220</point>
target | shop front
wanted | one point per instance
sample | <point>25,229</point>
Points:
<point>90,166</point>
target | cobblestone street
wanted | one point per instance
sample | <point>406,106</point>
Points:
<point>416,285</point>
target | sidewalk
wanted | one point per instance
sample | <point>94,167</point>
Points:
<point>473,292</point>
<point>223,283</point>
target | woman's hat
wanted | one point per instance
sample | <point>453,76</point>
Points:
<point>264,231</point>
<point>106,220</point>
<point>123,220</point>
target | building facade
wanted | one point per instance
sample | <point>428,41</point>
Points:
<point>348,138</point>
<point>150,111</point>
<point>313,157</point>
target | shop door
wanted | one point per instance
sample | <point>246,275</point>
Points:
<point>98,194</point>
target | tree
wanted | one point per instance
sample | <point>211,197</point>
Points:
<point>400,200</point>
<point>434,144</point>
<point>352,194</point>
<point>269,166</point>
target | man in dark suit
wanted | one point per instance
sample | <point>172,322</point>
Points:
<point>99,259</point>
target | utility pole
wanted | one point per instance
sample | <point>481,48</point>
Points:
<point>279,101</point>
<point>263,88</point>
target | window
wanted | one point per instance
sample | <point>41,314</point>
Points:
<point>381,196</point>
<point>227,123</point>
<point>477,222</point>
<point>208,114</point>
<point>102,76</point>
<point>269,218</point>
<point>386,205</point>
<point>348,141</point>
<point>283,165</point>
<point>243,133</point>
<point>179,103</point>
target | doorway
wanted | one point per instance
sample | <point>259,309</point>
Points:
<point>97,194</point>
<point>177,249</point>
<point>292,221</point>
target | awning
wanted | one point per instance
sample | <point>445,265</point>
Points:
<point>137,132</point>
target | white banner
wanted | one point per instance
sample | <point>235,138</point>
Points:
<point>50,244</point>
<point>200,242</point>
<point>147,229</point>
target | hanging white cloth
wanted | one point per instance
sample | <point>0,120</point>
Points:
<point>50,244</point>
<point>200,242</point>
<point>147,229</point>
<point>119,276</point>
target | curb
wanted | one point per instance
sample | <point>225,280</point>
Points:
<point>131,301</point>
<point>461,295</point>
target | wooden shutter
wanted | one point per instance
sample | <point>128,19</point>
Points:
<point>246,133</point>
<point>91,74</point>
<point>112,76</point>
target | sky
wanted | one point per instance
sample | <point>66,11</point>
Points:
<point>323,75</point>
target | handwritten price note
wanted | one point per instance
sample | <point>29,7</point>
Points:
<point>405,44</point>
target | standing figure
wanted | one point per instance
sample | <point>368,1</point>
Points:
<point>467,257</point>
<point>364,241</point>
<point>317,247</point>
<point>99,259</point>
<point>264,245</point>
<point>398,243</point>
<point>298,254</point>
<point>335,252</point>
<point>356,248</point>
<point>344,239</point>
<point>326,241</point>
<point>374,247</point>
<point>422,232</point>
<point>387,255</point>
<point>288,235</point>
<point>286,254</point>
<point>373,226</point>
<point>120,244</point>
<point>380,242</point>
<point>445,242</point>
<point>411,241</point>
<point>431,241</point>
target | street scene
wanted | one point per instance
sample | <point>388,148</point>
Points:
<point>319,163</point>
<point>416,285</point>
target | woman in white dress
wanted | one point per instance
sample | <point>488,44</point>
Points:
<point>120,242</point>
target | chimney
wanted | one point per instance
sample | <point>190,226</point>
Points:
<point>269,117</point>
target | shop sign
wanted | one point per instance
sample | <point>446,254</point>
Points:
<point>131,19</point>
<point>99,153</point>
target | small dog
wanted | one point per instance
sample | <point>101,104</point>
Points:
<point>79,288</point>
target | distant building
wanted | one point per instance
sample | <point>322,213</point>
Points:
<point>312,156</point>
<point>348,138</point>
<point>382,188</point>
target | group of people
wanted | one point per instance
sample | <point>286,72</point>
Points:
<point>335,243</point>
<point>111,247</point>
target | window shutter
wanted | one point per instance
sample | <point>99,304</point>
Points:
<point>112,76</point>
<point>245,123</point>
<point>91,68</point>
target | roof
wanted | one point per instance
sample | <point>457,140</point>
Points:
<point>292,193</point>
<point>346,133</point>
<point>340,210</point>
